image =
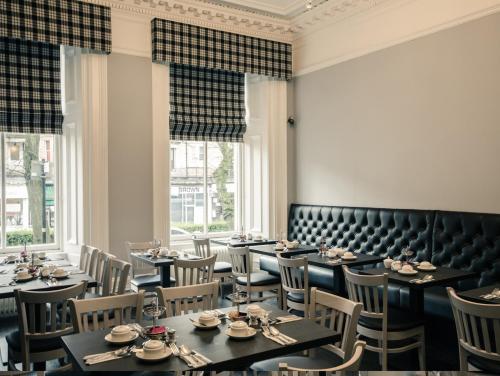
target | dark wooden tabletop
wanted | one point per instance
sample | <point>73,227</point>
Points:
<point>323,261</point>
<point>162,260</point>
<point>475,294</point>
<point>270,250</point>
<point>239,243</point>
<point>225,353</point>
<point>442,276</point>
<point>7,274</point>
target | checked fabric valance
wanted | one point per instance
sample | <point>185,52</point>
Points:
<point>30,92</point>
<point>206,104</point>
<point>59,22</point>
<point>179,43</point>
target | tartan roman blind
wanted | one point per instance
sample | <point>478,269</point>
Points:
<point>30,92</point>
<point>67,22</point>
<point>206,104</point>
<point>179,43</point>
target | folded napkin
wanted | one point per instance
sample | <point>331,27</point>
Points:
<point>280,339</point>
<point>289,318</point>
<point>195,359</point>
<point>102,357</point>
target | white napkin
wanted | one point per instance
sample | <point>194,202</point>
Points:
<point>289,318</point>
<point>93,359</point>
<point>282,339</point>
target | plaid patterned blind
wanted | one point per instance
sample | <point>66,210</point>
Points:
<point>206,104</point>
<point>179,43</point>
<point>67,22</point>
<point>30,91</point>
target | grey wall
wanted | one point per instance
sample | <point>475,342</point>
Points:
<point>412,126</point>
<point>130,151</point>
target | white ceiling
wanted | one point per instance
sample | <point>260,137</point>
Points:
<point>281,8</point>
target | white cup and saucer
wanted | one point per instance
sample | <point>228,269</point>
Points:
<point>41,255</point>
<point>331,253</point>
<point>240,330</point>
<point>121,334</point>
<point>388,262</point>
<point>11,258</point>
<point>163,252</point>
<point>254,310</point>
<point>257,237</point>
<point>279,246</point>
<point>407,270</point>
<point>153,350</point>
<point>59,273</point>
<point>293,244</point>
<point>23,275</point>
<point>349,256</point>
<point>206,321</point>
<point>426,266</point>
<point>173,253</point>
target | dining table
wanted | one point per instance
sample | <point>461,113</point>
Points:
<point>163,263</point>
<point>224,352</point>
<point>478,295</point>
<point>8,274</point>
<point>236,242</point>
<point>441,276</point>
<point>270,250</point>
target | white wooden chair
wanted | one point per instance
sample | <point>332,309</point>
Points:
<point>194,272</point>
<point>88,258</point>
<point>249,281</point>
<point>222,269</point>
<point>378,322</point>
<point>116,277</point>
<point>333,313</point>
<point>144,276</point>
<point>106,312</point>
<point>100,272</point>
<point>189,299</point>
<point>295,283</point>
<point>41,325</point>
<point>478,332</point>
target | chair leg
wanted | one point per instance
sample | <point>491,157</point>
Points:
<point>384,354</point>
<point>464,364</point>
<point>421,352</point>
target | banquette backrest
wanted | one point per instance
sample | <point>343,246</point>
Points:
<point>468,241</point>
<point>383,232</point>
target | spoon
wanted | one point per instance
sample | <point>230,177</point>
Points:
<point>197,322</point>
<point>187,352</point>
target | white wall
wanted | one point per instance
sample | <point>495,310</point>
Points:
<point>411,126</point>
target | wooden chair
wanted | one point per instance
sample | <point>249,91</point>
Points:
<point>106,312</point>
<point>189,299</point>
<point>478,332</point>
<point>222,269</point>
<point>100,272</point>
<point>41,326</point>
<point>350,365</point>
<point>116,277</point>
<point>144,276</point>
<point>249,281</point>
<point>333,313</point>
<point>88,258</point>
<point>295,283</point>
<point>378,322</point>
<point>194,272</point>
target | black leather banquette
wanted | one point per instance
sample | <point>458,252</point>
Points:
<point>467,241</point>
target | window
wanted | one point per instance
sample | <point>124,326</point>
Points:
<point>28,190</point>
<point>204,188</point>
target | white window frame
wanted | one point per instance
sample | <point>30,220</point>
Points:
<point>238,148</point>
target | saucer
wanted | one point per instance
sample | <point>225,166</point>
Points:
<point>249,334</point>
<point>207,326</point>
<point>431,269</point>
<point>25,279</point>
<point>349,258</point>
<point>60,276</point>
<point>153,357</point>
<point>109,338</point>
<point>413,272</point>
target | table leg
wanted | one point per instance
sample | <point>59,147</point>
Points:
<point>417,301</point>
<point>165,276</point>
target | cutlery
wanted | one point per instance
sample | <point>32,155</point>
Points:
<point>267,333</point>
<point>197,322</point>
<point>188,356</point>
<point>138,329</point>
<point>284,337</point>
<point>121,352</point>
<point>424,279</point>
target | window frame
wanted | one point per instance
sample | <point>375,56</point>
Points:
<point>177,240</point>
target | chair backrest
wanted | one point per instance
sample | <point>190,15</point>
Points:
<point>337,314</point>
<point>88,258</point>
<point>240,261</point>
<point>100,271</point>
<point>194,272</point>
<point>202,247</point>
<point>295,277</point>
<point>188,299</point>
<point>117,277</point>
<point>138,266</point>
<point>39,316</point>
<point>478,326</point>
<point>100,313</point>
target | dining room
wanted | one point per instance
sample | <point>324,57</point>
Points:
<point>203,187</point>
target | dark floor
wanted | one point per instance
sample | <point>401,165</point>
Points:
<point>441,346</point>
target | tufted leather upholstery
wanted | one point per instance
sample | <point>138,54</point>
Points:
<point>468,241</point>
<point>382,232</point>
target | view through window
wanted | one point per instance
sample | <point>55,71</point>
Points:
<point>28,205</point>
<point>204,186</point>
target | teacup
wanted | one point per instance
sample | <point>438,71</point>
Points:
<point>331,252</point>
<point>173,253</point>
<point>41,255</point>
<point>396,265</point>
<point>58,272</point>
<point>425,265</point>
<point>23,274</point>
<point>153,347</point>
<point>258,237</point>
<point>254,310</point>
<point>120,333</point>
<point>348,255</point>
<point>293,244</point>
<point>239,327</point>
<point>388,262</point>
<point>163,251</point>
<point>280,245</point>
<point>339,251</point>
<point>11,258</point>
<point>45,272</point>
<point>407,268</point>
<point>206,318</point>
